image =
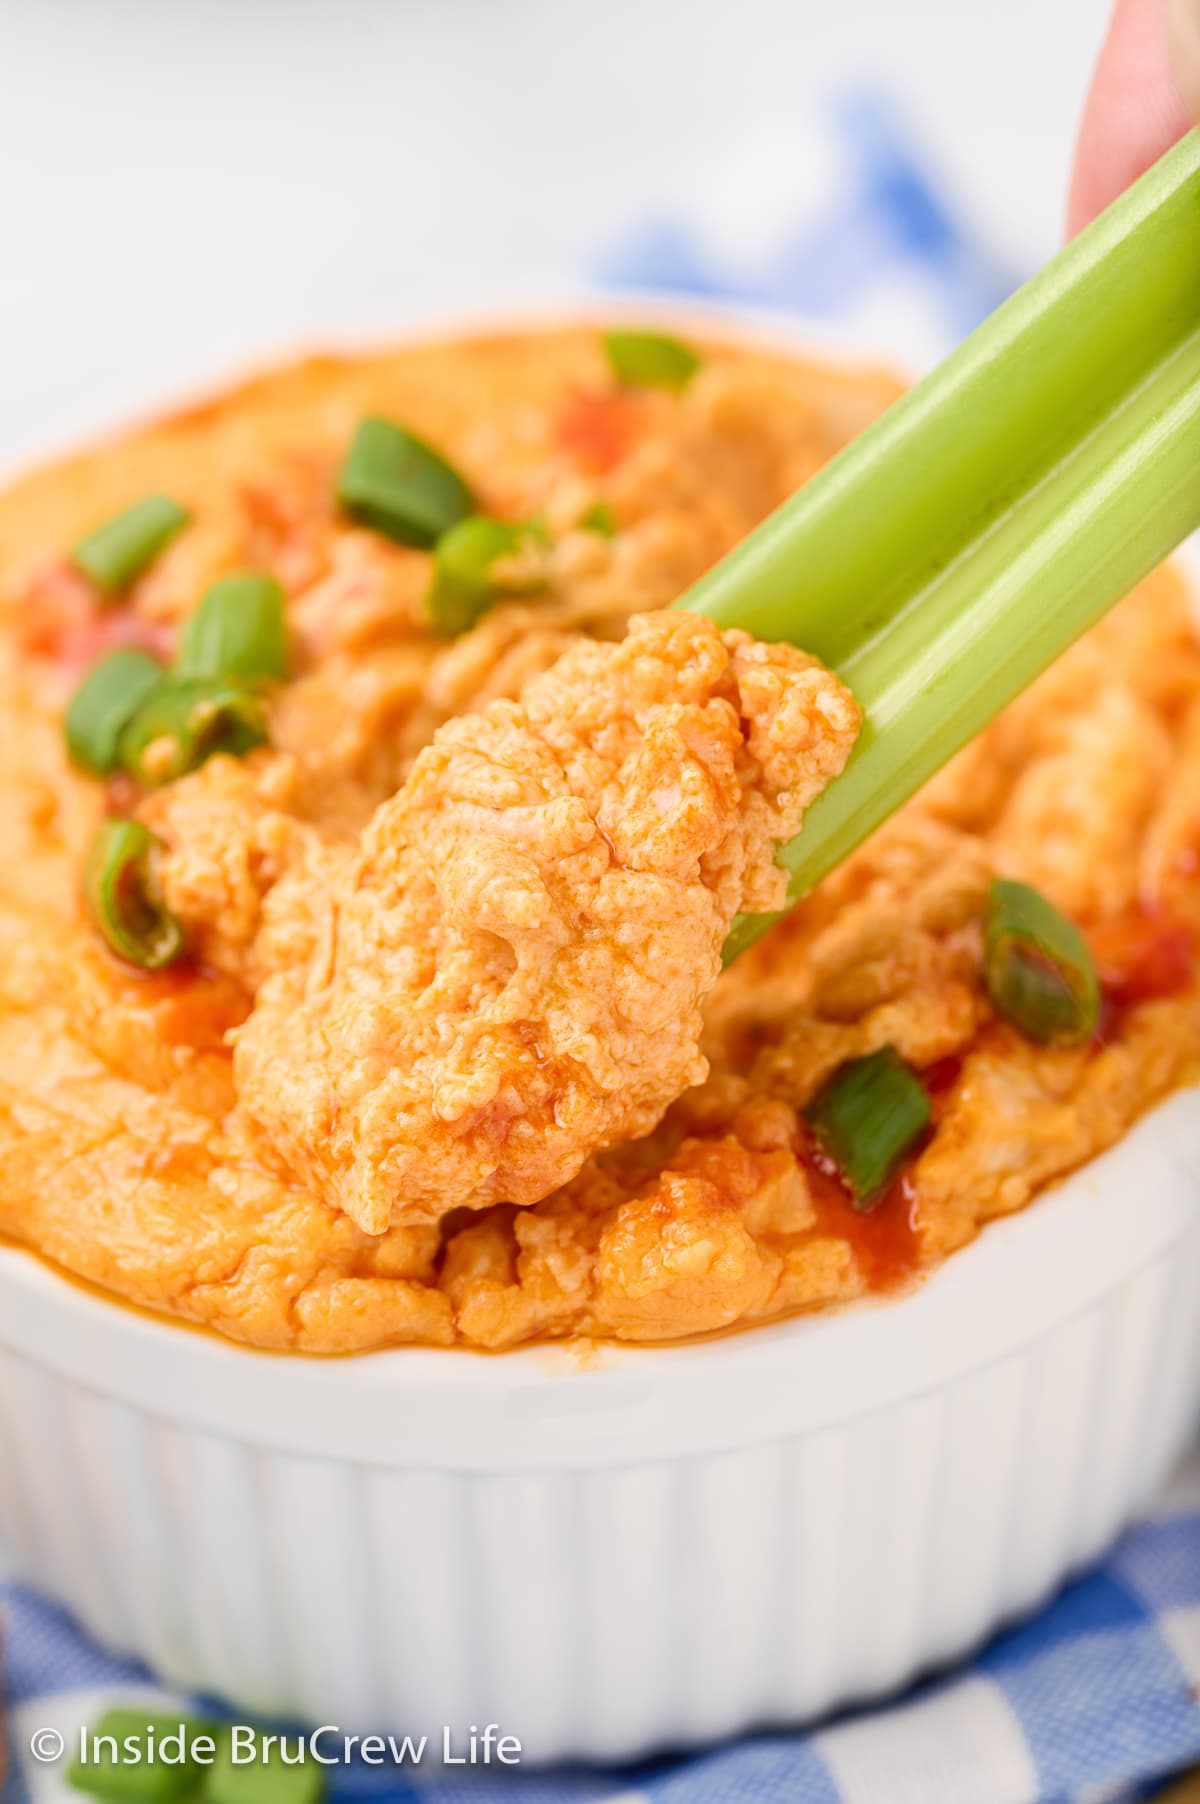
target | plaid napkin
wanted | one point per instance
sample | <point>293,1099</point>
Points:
<point>1099,1697</point>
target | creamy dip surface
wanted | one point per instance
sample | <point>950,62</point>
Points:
<point>447,1055</point>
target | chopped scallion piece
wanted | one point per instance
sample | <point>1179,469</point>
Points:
<point>107,699</point>
<point>121,886</point>
<point>1038,969</point>
<point>599,518</point>
<point>867,1117</point>
<point>237,631</point>
<point>117,552</point>
<point>476,563</point>
<point>263,1778</point>
<point>144,1757</point>
<point>397,484</point>
<point>650,359</point>
<point>187,720</point>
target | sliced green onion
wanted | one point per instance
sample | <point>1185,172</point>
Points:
<point>1038,970</point>
<point>187,720</point>
<point>260,1774</point>
<point>599,518</point>
<point>469,571</point>
<point>107,699</point>
<point>237,631</point>
<point>399,485</point>
<point>144,1756</point>
<point>867,1117</point>
<point>124,546</point>
<point>650,359</point>
<point>121,886</point>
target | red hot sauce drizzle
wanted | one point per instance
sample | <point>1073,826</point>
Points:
<point>884,1238</point>
<point>1142,956</point>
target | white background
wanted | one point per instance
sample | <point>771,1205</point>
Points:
<point>186,186</point>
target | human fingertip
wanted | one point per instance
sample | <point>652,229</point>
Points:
<point>1183,42</point>
<point>1134,110</point>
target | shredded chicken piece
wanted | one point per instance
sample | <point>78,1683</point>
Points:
<point>229,833</point>
<point>508,969</point>
<point>127,1157</point>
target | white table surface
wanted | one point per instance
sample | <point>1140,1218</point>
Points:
<point>185,187</point>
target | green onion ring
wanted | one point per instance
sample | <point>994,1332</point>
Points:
<point>1038,969</point>
<point>186,721</point>
<point>106,700</point>
<point>867,1117</point>
<point>123,895</point>
<point>238,631</point>
<point>118,551</point>
<point>599,519</point>
<point>397,484</point>
<point>469,574</point>
<point>650,360</point>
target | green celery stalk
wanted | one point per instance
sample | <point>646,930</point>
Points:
<point>961,544</point>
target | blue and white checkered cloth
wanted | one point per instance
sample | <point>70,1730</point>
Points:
<point>1097,1699</point>
<point>1088,1704</point>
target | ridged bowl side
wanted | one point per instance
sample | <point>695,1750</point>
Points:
<point>603,1613</point>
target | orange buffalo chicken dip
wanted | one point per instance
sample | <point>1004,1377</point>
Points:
<point>371,835</point>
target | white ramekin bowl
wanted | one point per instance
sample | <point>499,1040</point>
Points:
<point>654,1548</point>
